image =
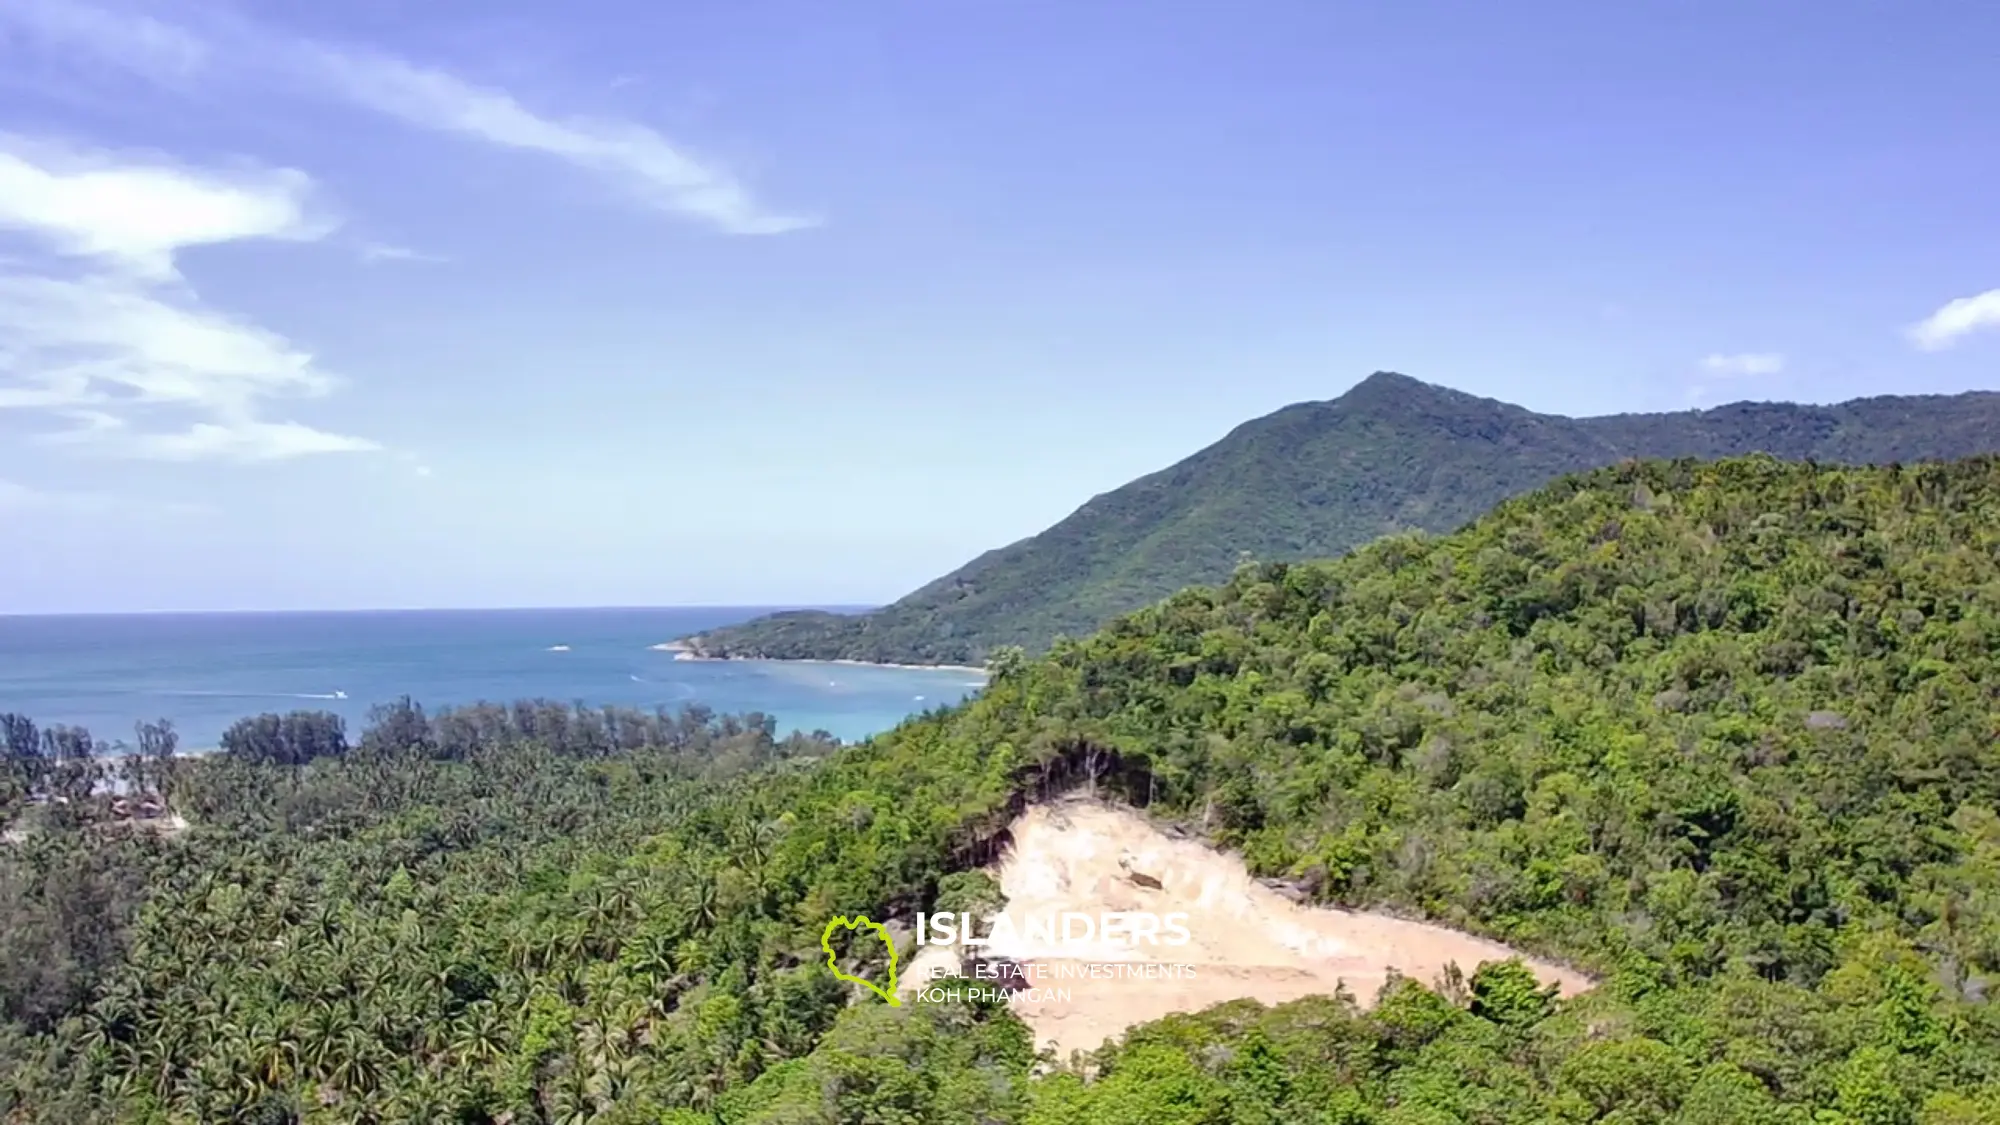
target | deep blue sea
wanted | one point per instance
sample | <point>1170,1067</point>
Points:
<point>206,670</point>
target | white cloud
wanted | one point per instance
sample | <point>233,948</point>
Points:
<point>660,172</point>
<point>238,439</point>
<point>1956,320</point>
<point>130,40</point>
<point>102,331</point>
<point>388,252</point>
<point>1743,364</point>
<point>657,171</point>
<point>96,340</point>
<point>133,216</point>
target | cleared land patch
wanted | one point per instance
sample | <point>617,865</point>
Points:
<point>1245,940</point>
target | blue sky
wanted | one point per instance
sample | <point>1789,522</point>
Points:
<point>498,303</point>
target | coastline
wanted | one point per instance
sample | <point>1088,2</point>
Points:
<point>682,652</point>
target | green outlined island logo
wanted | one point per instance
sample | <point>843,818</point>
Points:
<point>881,932</point>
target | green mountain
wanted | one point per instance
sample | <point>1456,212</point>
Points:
<point>1720,733</point>
<point>1316,480</point>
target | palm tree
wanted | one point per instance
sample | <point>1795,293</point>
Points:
<point>480,1034</point>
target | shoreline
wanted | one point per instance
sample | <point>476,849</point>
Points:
<point>119,751</point>
<point>682,652</point>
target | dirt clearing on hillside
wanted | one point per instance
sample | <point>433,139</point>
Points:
<point>1244,940</point>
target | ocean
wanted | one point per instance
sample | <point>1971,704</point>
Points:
<point>204,671</point>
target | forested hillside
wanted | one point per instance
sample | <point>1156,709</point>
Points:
<point>1315,480</point>
<point>1723,733</point>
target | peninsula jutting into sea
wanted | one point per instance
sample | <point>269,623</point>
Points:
<point>205,672</point>
<point>689,650</point>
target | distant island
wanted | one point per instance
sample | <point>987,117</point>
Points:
<point>1316,480</point>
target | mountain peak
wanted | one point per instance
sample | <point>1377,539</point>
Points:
<point>1387,383</point>
<point>1316,479</point>
<point>1393,394</point>
<point>1390,379</point>
<point>1390,388</point>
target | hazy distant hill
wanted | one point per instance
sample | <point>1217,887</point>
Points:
<point>1317,479</point>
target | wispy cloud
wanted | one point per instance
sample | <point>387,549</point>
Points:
<point>1957,320</point>
<point>416,464</point>
<point>1726,366</point>
<point>389,252</point>
<point>646,165</point>
<point>99,331</point>
<point>1743,364</point>
<point>239,439</point>
<point>131,40</point>
<point>654,169</point>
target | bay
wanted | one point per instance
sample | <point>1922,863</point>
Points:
<point>204,671</point>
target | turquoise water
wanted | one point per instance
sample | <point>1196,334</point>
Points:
<point>205,671</point>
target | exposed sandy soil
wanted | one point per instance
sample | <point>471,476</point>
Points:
<point>170,825</point>
<point>1245,939</point>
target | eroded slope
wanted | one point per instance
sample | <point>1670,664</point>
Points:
<point>1245,940</point>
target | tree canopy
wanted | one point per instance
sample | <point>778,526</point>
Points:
<point>1721,732</point>
<point>1315,480</point>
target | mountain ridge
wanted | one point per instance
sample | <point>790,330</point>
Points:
<point>1317,479</point>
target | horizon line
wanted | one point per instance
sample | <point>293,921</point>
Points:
<point>767,607</point>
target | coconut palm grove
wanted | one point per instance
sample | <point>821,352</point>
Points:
<point>1719,733</point>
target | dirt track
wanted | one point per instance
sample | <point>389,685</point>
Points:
<point>1245,940</point>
